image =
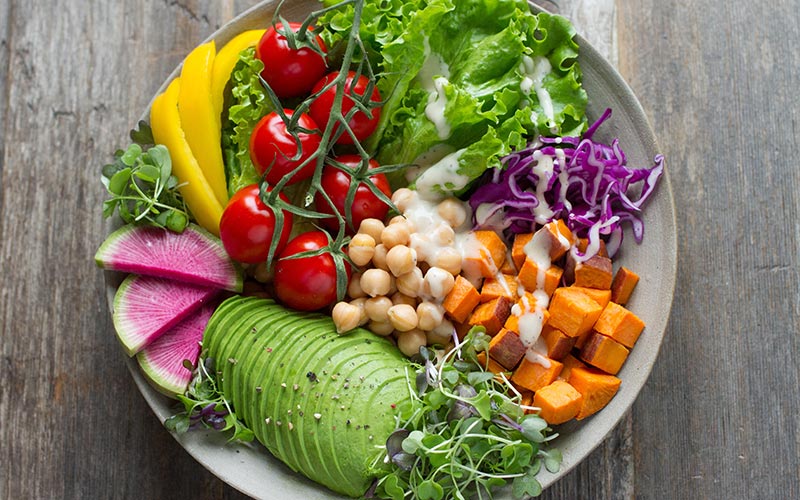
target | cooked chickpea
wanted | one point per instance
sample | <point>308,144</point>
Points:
<point>432,338</point>
<point>377,308</point>
<point>430,315</point>
<point>345,316</point>
<point>421,244</point>
<point>361,305</point>
<point>396,234</point>
<point>437,283</point>
<point>396,219</point>
<point>401,298</point>
<point>409,342</point>
<point>402,198</point>
<point>361,249</point>
<point>452,211</point>
<point>372,227</point>
<point>401,260</point>
<point>403,317</point>
<point>410,283</point>
<point>444,329</point>
<point>444,235</point>
<point>382,328</point>
<point>449,259</point>
<point>379,257</point>
<point>354,290</point>
<point>376,282</point>
<point>392,284</point>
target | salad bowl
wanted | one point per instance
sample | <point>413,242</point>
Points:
<point>253,471</point>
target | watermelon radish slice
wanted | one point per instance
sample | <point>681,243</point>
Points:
<point>162,362</point>
<point>194,256</point>
<point>146,307</point>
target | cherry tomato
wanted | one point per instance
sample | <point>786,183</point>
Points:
<point>361,124</point>
<point>247,226</point>
<point>290,73</point>
<point>366,205</point>
<point>307,283</point>
<point>273,148</point>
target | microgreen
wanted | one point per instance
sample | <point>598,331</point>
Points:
<point>461,435</point>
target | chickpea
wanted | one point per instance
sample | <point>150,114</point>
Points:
<point>402,198</point>
<point>437,283</point>
<point>392,284</point>
<point>444,329</point>
<point>449,259</point>
<point>381,328</point>
<point>401,260</point>
<point>396,219</point>
<point>354,290</point>
<point>401,298</point>
<point>361,305</point>
<point>409,342</point>
<point>379,258</point>
<point>430,315</point>
<point>361,249</point>
<point>421,244</point>
<point>403,317</point>
<point>372,227</point>
<point>376,282</point>
<point>396,234</point>
<point>377,308</point>
<point>345,316</point>
<point>432,338</point>
<point>444,235</point>
<point>410,283</point>
<point>452,211</point>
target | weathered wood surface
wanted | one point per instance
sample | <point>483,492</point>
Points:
<point>719,417</point>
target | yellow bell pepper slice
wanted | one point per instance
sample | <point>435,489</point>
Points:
<point>199,121</point>
<point>166,124</point>
<point>226,60</point>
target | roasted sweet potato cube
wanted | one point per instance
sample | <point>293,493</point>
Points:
<point>620,324</point>
<point>512,323</point>
<point>559,344</point>
<point>558,402</point>
<point>504,285</point>
<point>508,266</point>
<point>604,353</point>
<point>506,348</point>
<point>602,297</point>
<point>529,277</point>
<point>491,315</point>
<point>573,312</point>
<point>527,398</point>
<point>518,248</point>
<point>622,286</point>
<point>596,387</point>
<point>526,305</point>
<point>492,366</point>
<point>582,339</point>
<point>486,254</point>
<point>570,362</point>
<point>559,238</point>
<point>583,244</point>
<point>594,273</point>
<point>462,329</point>
<point>534,376</point>
<point>461,300</point>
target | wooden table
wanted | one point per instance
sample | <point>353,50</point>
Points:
<point>720,414</point>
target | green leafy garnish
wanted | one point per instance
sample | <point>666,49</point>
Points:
<point>461,435</point>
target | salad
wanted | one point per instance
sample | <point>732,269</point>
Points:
<point>379,240</point>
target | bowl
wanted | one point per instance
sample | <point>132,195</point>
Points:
<point>253,471</point>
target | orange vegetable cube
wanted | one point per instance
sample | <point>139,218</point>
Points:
<point>622,286</point>
<point>573,312</point>
<point>491,315</point>
<point>604,353</point>
<point>558,343</point>
<point>620,324</point>
<point>487,253</point>
<point>602,297</point>
<point>529,277</point>
<point>534,376</point>
<point>558,402</point>
<point>507,349</point>
<point>490,366</point>
<point>594,273</point>
<point>570,363</point>
<point>518,248</point>
<point>461,300</point>
<point>582,339</point>
<point>494,288</point>
<point>525,305</point>
<point>596,387</point>
<point>508,266</point>
<point>583,243</point>
<point>559,237</point>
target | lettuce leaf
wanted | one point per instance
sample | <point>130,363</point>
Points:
<point>249,102</point>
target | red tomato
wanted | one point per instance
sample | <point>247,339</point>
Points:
<point>290,73</point>
<point>247,226</point>
<point>365,205</point>
<point>307,283</point>
<point>273,148</point>
<point>361,124</point>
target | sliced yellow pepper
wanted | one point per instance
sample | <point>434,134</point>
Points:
<point>226,60</point>
<point>166,124</point>
<point>200,122</point>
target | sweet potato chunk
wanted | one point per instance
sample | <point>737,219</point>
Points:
<point>508,266</point>
<point>602,297</point>
<point>461,300</point>
<point>620,324</point>
<point>525,305</point>
<point>583,244</point>
<point>559,238</point>
<point>506,348</point>
<point>534,376</point>
<point>558,343</point>
<point>487,256</point>
<point>491,315</point>
<point>518,248</point>
<point>573,312</point>
<point>594,273</point>
<point>604,353</point>
<point>570,362</point>
<point>558,402</point>
<point>622,286</point>
<point>494,288</point>
<point>529,277</point>
<point>492,366</point>
<point>596,387</point>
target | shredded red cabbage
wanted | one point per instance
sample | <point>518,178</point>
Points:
<point>586,185</point>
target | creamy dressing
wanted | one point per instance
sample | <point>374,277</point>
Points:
<point>543,169</point>
<point>434,110</point>
<point>534,71</point>
<point>563,177</point>
<point>443,174</point>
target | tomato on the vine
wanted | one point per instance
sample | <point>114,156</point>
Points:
<point>289,72</point>
<point>307,283</point>
<point>366,205</point>
<point>247,226</point>
<point>273,148</point>
<point>361,124</point>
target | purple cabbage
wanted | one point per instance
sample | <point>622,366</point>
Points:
<point>588,189</point>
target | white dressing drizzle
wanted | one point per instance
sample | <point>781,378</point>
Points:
<point>543,168</point>
<point>434,110</point>
<point>443,174</point>
<point>535,70</point>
